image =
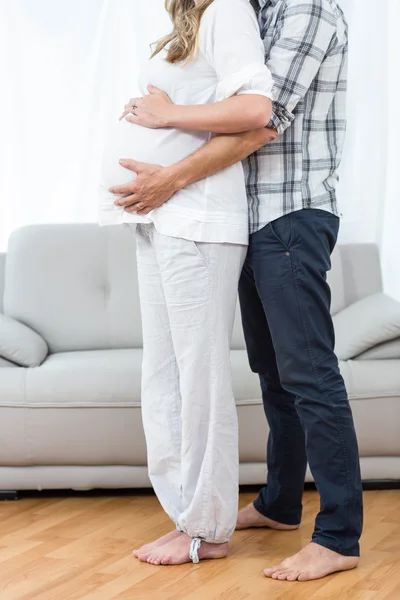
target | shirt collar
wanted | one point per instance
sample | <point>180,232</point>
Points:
<point>265,2</point>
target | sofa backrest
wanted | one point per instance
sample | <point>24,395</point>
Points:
<point>358,267</point>
<point>76,285</point>
<point>355,274</point>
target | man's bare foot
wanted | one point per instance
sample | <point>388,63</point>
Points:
<point>250,517</point>
<point>146,550</point>
<point>176,552</point>
<point>313,562</point>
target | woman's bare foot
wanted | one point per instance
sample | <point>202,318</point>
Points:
<point>176,552</point>
<point>250,517</point>
<point>313,562</point>
<point>146,550</point>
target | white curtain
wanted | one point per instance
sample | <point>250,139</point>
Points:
<point>390,234</point>
<point>368,189</point>
<point>68,66</point>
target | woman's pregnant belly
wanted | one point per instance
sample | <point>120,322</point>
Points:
<point>157,146</point>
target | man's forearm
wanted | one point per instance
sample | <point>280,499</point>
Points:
<point>221,152</point>
<point>154,185</point>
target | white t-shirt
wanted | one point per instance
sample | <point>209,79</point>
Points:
<point>230,60</point>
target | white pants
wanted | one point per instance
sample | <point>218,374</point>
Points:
<point>188,296</point>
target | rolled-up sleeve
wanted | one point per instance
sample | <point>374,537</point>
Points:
<point>231,42</point>
<point>305,32</point>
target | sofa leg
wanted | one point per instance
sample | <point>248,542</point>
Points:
<point>8,495</point>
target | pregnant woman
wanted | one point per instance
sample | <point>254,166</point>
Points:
<point>190,254</point>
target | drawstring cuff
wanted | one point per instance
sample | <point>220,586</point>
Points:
<point>194,550</point>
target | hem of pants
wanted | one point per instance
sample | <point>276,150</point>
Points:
<point>203,537</point>
<point>353,552</point>
<point>274,517</point>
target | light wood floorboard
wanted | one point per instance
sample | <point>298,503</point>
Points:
<point>79,548</point>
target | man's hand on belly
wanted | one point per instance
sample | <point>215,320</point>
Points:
<point>153,186</point>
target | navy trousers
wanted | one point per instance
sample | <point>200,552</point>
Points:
<point>285,304</point>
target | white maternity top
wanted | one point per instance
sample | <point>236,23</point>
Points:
<point>230,61</point>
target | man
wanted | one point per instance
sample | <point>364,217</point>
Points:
<point>285,300</point>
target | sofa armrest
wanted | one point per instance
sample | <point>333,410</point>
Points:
<point>365,324</point>
<point>20,344</point>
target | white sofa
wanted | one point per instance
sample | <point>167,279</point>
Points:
<point>70,361</point>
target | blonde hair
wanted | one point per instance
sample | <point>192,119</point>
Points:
<point>186,16</point>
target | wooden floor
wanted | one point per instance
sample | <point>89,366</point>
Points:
<point>79,548</point>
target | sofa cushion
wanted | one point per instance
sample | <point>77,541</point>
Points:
<point>76,408</point>
<point>371,379</point>
<point>93,378</point>
<point>365,324</point>
<point>246,385</point>
<point>377,425</point>
<point>20,344</point>
<point>385,351</point>
<point>101,435</point>
<point>76,285</point>
<point>7,363</point>
<point>99,378</point>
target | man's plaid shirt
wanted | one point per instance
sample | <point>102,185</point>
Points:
<point>306,51</point>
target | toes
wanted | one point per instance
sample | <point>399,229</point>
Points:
<point>269,572</point>
<point>293,576</point>
<point>143,557</point>
<point>304,576</point>
<point>284,574</point>
<point>274,575</point>
<point>278,574</point>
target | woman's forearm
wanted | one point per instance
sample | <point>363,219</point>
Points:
<point>237,114</point>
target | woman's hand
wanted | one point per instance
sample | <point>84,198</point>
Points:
<point>152,111</point>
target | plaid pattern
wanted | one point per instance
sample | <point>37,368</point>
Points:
<point>306,51</point>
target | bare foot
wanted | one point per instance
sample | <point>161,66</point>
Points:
<point>146,550</point>
<point>177,551</point>
<point>250,517</point>
<point>313,562</point>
